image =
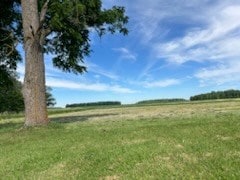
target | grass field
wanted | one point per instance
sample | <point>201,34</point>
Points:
<point>179,141</point>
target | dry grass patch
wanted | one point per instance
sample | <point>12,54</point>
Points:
<point>153,111</point>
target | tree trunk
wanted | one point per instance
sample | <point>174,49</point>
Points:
<point>34,80</point>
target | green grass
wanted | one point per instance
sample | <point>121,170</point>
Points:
<point>184,141</point>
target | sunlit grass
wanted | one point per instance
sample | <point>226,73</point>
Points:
<point>199,141</point>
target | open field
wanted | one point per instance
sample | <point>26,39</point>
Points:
<point>187,140</point>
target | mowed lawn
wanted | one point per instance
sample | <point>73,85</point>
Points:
<point>179,141</point>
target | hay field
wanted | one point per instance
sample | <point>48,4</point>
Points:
<point>159,141</point>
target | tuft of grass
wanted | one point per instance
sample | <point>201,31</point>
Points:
<point>189,141</point>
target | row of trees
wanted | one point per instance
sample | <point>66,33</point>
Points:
<point>101,103</point>
<point>11,98</point>
<point>161,101</point>
<point>217,95</point>
<point>59,27</point>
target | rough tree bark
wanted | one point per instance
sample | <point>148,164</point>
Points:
<point>34,80</point>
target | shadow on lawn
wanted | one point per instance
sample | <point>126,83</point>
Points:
<point>66,119</point>
<point>71,119</point>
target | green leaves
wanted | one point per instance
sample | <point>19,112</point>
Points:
<point>114,20</point>
<point>11,98</point>
<point>10,33</point>
<point>70,22</point>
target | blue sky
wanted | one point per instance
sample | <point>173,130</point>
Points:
<point>175,49</point>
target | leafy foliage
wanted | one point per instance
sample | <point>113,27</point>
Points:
<point>10,33</point>
<point>65,30</point>
<point>11,98</point>
<point>70,23</point>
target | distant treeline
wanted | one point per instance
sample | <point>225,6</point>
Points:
<point>101,103</point>
<point>217,95</point>
<point>161,101</point>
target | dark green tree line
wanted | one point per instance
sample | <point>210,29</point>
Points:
<point>101,103</point>
<point>217,95</point>
<point>161,101</point>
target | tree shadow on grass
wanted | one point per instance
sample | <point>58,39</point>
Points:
<point>72,119</point>
<point>6,126</point>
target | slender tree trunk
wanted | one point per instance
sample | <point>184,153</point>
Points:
<point>34,80</point>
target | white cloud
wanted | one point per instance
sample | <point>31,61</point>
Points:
<point>126,53</point>
<point>220,74</point>
<point>55,81</point>
<point>220,39</point>
<point>162,83</point>
<point>150,17</point>
<point>91,67</point>
<point>210,33</point>
<point>99,87</point>
<point>119,89</point>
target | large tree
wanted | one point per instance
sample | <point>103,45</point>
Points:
<point>60,27</point>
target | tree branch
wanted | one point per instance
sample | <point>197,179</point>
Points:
<point>44,34</point>
<point>9,36</point>
<point>43,12</point>
<point>11,47</point>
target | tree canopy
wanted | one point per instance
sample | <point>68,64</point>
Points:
<point>10,34</point>
<point>65,26</point>
<point>70,22</point>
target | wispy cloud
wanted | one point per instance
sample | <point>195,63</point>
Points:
<point>219,40</point>
<point>98,87</point>
<point>126,53</point>
<point>166,34</point>
<point>219,74</point>
<point>154,19</point>
<point>202,31</point>
<point>162,83</point>
<point>56,81</point>
<point>92,67</point>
